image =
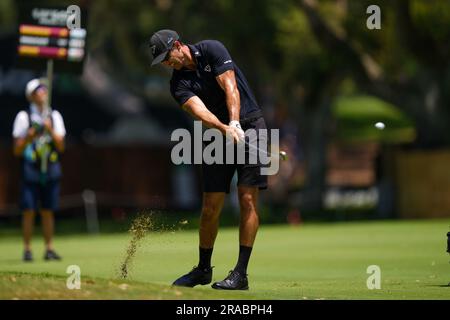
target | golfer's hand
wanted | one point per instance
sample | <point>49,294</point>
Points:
<point>236,131</point>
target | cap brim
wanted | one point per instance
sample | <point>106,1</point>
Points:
<point>159,58</point>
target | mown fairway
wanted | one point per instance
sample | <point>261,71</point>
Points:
<point>312,261</point>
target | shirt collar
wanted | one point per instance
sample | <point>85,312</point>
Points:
<point>195,52</point>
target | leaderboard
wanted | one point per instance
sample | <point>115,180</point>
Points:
<point>44,35</point>
<point>52,42</point>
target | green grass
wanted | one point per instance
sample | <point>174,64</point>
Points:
<point>312,261</point>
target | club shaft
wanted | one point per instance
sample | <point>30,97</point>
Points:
<point>258,150</point>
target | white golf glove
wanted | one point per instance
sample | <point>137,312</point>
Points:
<point>236,127</point>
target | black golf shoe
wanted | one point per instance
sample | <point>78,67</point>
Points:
<point>27,256</point>
<point>195,277</point>
<point>234,281</point>
<point>51,255</point>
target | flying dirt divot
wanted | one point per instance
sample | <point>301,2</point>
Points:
<point>139,228</point>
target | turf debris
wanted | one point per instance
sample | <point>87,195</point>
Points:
<point>140,226</point>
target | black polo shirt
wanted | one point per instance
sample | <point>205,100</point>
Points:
<point>212,59</point>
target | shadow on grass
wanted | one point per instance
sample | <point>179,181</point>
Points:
<point>440,285</point>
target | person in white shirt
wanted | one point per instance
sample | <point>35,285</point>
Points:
<point>39,135</point>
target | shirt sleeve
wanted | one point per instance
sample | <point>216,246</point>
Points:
<point>20,126</point>
<point>58,123</point>
<point>219,58</point>
<point>180,91</point>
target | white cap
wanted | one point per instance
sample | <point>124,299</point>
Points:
<point>32,85</point>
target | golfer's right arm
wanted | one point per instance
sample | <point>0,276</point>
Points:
<point>198,110</point>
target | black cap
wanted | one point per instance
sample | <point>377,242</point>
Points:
<point>160,43</point>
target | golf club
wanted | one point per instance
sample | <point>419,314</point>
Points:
<point>282,154</point>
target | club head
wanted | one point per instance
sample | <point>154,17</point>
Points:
<point>283,155</point>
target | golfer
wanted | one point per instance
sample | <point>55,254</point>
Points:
<point>208,84</point>
<point>38,134</point>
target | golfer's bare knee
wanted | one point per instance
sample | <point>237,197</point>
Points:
<point>209,212</point>
<point>211,207</point>
<point>247,201</point>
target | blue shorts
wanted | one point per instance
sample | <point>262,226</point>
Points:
<point>35,196</point>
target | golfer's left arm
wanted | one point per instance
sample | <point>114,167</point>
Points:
<point>227,82</point>
<point>198,110</point>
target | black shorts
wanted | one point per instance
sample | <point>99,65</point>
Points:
<point>217,177</point>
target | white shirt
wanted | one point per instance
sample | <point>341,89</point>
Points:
<point>21,122</point>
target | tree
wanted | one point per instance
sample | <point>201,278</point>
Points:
<point>307,50</point>
<point>412,66</point>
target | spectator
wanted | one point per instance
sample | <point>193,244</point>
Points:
<point>38,134</point>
